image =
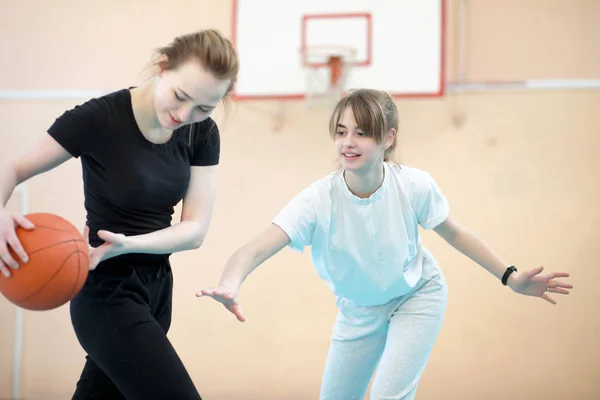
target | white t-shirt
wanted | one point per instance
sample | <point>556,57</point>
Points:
<point>367,250</point>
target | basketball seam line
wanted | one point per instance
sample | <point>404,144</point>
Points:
<point>73,290</point>
<point>55,244</point>
<point>51,278</point>
<point>51,227</point>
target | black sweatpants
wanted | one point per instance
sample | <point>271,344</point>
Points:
<point>121,318</point>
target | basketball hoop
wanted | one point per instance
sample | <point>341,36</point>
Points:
<point>327,68</point>
<point>336,67</point>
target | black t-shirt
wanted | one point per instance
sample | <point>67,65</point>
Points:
<point>131,185</point>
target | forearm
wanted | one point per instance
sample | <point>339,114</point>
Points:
<point>186,235</point>
<point>8,182</point>
<point>253,254</point>
<point>472,246</point>
<point>239,266</point>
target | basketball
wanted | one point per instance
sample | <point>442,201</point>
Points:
<point>57,266</point>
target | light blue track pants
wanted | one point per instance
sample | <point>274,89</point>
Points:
<point>398,336</point>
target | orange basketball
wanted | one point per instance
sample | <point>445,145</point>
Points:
<point>57,267</point>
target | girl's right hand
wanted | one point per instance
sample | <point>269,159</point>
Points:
<point>9,240</point>
<point>226,296</point>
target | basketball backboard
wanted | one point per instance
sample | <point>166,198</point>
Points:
<point>391,45</point>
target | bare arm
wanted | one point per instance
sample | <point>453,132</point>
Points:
<point>242,263</point>
<point>469,244</point>
<point>258,250</point>
<point>295,224</point>
<point>529,283</point>
<point>44,156</point>
<point>196,215</point>
<point>188,234</point>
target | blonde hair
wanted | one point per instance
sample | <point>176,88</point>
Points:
<point>375,113</point>
<point>210,48</point>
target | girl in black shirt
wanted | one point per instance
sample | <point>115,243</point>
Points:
<point>142,151</point>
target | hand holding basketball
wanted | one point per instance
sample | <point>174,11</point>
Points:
<point>9,240</point>
<point>57,260</point>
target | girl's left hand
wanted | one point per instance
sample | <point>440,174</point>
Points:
<point>114,245</point>
<point>225,295</point>
<point>531,283</point>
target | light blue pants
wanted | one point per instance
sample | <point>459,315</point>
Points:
<point>398,336</point>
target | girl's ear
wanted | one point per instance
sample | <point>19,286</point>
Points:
<point>161,64</point>
<point>389,138</point>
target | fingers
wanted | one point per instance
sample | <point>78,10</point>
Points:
<point>23,222</point>
<point>105,235</point>
<point>206,292</point>
<point>216,293</point>
<point>97,254</point>
<point>111,238</point>
<point>93,263</point>
<point>86,234</point>
<point>548,299</point>
<point>14,242</point>
<point>558,290</point>
<point>226,298</point>
<point>93,257</point>
<point>4,269</point>
<point>559,284</point>
<point>7,258</point>
<point>236,309</point>
<point>559,275</point>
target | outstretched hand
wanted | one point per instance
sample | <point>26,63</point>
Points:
<point>227,297</point>
<point>114,245</point>
<point>531,283</point>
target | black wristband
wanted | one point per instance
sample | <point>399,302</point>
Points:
<point>507,273</point>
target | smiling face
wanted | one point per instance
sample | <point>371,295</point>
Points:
<point>187,94</point>
<point>195,72</point>
<point>363,126</point>
<point>357,150</point>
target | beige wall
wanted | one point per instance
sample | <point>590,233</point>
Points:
<point>519,171</point>
<point>516,39</point>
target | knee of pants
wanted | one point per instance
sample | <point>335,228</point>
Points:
<point>395,387</point>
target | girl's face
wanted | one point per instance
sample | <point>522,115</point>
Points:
<point>357,150</point>
<point>187,94</point>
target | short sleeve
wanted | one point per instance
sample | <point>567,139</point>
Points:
<point>207,144</point>
<point>427,200</point>
<point>298,219</point>
<point>75,129</point>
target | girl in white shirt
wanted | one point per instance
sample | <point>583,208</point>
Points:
<point>362,223</point>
